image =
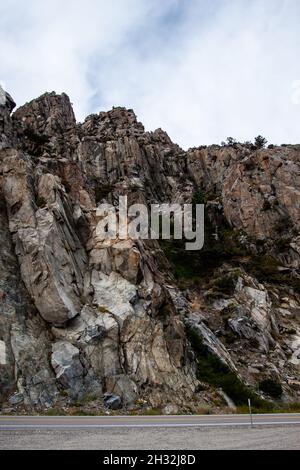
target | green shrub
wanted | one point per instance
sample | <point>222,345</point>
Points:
<point>295,284</point>
<point>230,141</point>
<point>67,186</point>
<point>55,412</point>
<point>293,407</point>
<point>266,206</point>
<point>41,202</point>
<point>38,139</point>
<point>260,142</point>
<point>197,265</point>
<point>271,388</point>
<point>212,370</point>
<point>264,267</point>
<point>102,190</point>
<point>284,244</point>
<point>103,309</point>
<point>226,283</point>
<point>272,408</point>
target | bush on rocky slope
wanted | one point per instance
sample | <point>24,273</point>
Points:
<point>211,370</point>
<point>271,388</point>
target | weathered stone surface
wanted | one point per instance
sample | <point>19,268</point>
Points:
<point>50,255</point>
<point>43,125</point>
<point>85,318</point>
<point>267,183</point>
<point>7,104</point>
<point>113,402</point>
<point>67,366</point>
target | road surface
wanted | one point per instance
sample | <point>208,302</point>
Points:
<point>276,431</point>
<point>92,422</point>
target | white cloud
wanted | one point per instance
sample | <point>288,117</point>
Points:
<point>201,70</point>
<point>48,45</point>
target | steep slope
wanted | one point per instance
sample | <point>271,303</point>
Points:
<point>84,318</point>
<point>251,296</point>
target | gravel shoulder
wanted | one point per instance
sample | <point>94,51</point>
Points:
<point>280,437</point>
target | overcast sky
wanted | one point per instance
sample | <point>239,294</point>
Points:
<point>200,69</point>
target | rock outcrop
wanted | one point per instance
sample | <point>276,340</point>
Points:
<point>259,191</point>
<point>83,318</point>
<point>7,104</point>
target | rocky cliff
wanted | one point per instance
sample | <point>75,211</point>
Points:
<point>142,324</point>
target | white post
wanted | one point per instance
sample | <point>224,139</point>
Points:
<point>250,412</point>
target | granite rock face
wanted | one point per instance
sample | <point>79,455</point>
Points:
<point>7,104</point>
<point>84,317</point>
<point>252,198</point>
<point>107,320</point>
<point>258,189</point>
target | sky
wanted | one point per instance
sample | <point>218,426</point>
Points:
<point>202,70</point>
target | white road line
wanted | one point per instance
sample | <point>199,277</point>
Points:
<point>6,427</point>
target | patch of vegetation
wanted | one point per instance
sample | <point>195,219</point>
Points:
<point>218,248</point>
<point>82,412</point>
<point>223,244</point>
<point>41,202</point>
<point>226,283</point>
<point>37,142</point>
<point>214,372</point>
<point>103,309</point>
<point>283,244</point>
<point>151,412</point>
<point>55,412</point>
<point>295,284</point>
<point>38,139</point>
<point>267,205</point>
<point>222,286</point>
<point>102,190</point>
<point>67,186</point>
<point>204,410</point>
<point>284,225</point>
<point>260,142</point>
<point>265,268</point>
<point>201,197</point>
<point>230,141</point>
<point>289,408</point>
<point>90,398</point>
<point>254,343</point>
<point>271,388</point>
<point>250,165</point>
<point>77,403</point>
<point>272,408</point>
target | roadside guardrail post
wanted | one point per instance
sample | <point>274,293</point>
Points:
<point>250,412</point>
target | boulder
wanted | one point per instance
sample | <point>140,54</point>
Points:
<point>112,402</point>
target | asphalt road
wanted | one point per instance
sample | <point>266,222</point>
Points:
<point>150,432</point>
<point>92,422</point>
